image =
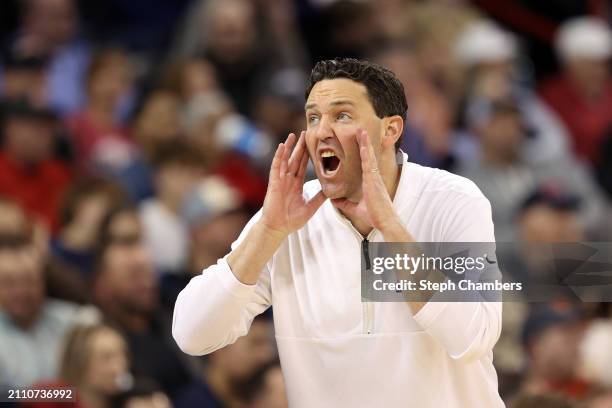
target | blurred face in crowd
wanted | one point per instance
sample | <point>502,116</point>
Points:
<point>501,136</point>
<point>273,395</point>
<point>111,78</point>
<point>542,223</point>
<point>204,127</point>
<point>13,221</point>
<point>335,110</point>
<point>125,226</point>
<point>231,29</point>
<point>216,236</point>
<point>88,216</point>
<point>175,180</point>
<point>590,75</point>
<point>248,353</point>
<point>29,84</point>
<point>21,285</point>
<point>493,80</point>
<point>155,400</point>
<point>107,363</point>
<point>28,140</point>
<point>554,352</point>
<point>198,77</point>
<point>128,279</point>
<point>159,120</point>
<point>601,401</point>
<point>52,21</point>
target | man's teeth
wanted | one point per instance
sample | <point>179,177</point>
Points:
<point>328,154</point>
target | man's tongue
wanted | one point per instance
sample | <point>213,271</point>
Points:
<point>330,163</point>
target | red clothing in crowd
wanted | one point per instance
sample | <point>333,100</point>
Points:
<point>38,189</point>
<point>88,135</point>
<point>587,120</point>
<point>240,174</point>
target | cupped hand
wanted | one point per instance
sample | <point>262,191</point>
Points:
<point>285,208</point>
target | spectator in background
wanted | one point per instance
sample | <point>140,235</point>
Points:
<point>506,176</point>
<point>224,380</point>
<point>121,224</point>
<point>212,214</point>
<point>126,291</point>
<point>279,107</point>
<point>95,362</point>
<point>596,359</point>
<point>582,94</point>
<point>143,394</point>
<point>84,206</point>
<point>178,167</point>
<point>32,327</point>
<point>24,78</point>
<point>49,29</point>
<point>190,77</point>
<point>227,34</point>
<point>215,215</point>
<point>157,122</point>
<point>28,171</point>
<point>433,28</point>
<point>603,169</point>
<point>428,130</point>
<point>230,142</point>
<point>549,400</point>
<point>98,136</point>
<point>268,388</point>
<point>551,336</point>
<point>100,139</point>
<point>490,57</point>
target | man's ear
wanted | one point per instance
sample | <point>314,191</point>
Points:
<point>393,128</point>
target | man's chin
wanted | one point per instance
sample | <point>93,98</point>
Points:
<point>333,191</point>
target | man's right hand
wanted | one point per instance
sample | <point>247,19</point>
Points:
<point>285,208</point>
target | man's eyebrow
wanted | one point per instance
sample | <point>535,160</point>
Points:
<point>333,103</point>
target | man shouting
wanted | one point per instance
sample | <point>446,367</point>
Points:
<point>302,254</point>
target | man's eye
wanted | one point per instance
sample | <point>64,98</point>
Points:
<point>343,116</point>
<point>312,120</point>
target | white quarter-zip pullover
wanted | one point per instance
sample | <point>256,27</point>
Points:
<point>337,351</point>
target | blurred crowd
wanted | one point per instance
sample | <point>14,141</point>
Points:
<point>136,137</point>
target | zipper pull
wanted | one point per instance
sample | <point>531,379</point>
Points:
<point>366,253</point>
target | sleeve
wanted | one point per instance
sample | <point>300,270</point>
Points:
<point>215,308</point>
<point>467,330</point>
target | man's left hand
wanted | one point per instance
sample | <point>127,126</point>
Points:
<point>375,206</point>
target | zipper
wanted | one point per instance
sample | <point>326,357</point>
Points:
<point>367,307</point>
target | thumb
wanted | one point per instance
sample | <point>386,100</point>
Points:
<point>315,202</point>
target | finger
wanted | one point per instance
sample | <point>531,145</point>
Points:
<point>296,156</point>
<point>369,163</point>
<point>285,156</point>
<point>303,166</point>
<point>315,202</point>
<point>275,167</point>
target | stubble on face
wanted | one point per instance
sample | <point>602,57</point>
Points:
<point>336,109</point>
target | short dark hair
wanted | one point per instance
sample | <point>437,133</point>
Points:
<point>177,152</point>
<point>385,91</point>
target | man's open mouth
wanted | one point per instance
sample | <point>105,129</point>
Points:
<point>329,161</point>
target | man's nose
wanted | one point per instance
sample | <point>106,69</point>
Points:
<point>324,130</point>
